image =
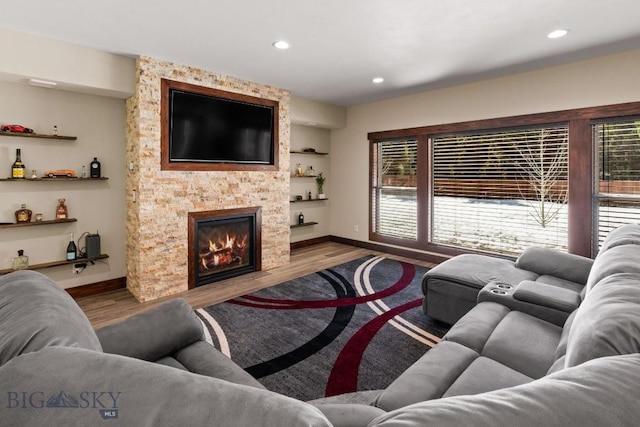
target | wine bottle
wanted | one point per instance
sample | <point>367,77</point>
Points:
<point>94,168</point>
<point>72,251</point>
<point>18,169</point>
<point>301,219</point>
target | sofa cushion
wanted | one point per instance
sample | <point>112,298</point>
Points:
<point>485,375</point>
<point>155,333</point>
<point>608,321</point>
<point>618,259</point>
<point>474,328</point>
<point>601,392</point>
<point>627,234</point>
<point>429,377</point>
<point>548,262</point>
<point>478,270</point>
<point>524,343</point>
<point>35,313</point>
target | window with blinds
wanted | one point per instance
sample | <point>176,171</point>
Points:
<point>500,191</point>
<point>617,183</point>
<point>394,195</point>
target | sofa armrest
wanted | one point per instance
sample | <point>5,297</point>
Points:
<point>547,296</point>
<point>153,334</point>
<point>543,261</point>
<point>121,391</point>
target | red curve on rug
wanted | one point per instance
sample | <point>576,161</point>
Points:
<point>408,273</point>
<point>344,374</point>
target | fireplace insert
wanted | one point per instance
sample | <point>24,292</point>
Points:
<point>223,244</point>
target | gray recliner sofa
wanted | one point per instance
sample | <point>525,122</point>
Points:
<point>497,366</point>
<point>494,348</point>
<point>453,287</point>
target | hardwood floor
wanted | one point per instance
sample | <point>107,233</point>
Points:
<point>109,307</point>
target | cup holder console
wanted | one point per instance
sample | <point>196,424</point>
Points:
<point>498,291</point>
<point>504,286</point>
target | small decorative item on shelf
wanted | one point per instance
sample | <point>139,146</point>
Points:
<point>320,184</point>
<point>309,171</point>
<point>298,198</point>
<point>21,262</point>
<point>72,250</point>
<point>94,168</point>
<point>38,217</point>
<point>84,171</point>
<point>23,214</point>
<point>18,168</point>
<point>299,170</point>
<point>55,130</point>
<point>61,210</point>
<point>34,174</point>
<point>300,219</point>
<point>309,195</point>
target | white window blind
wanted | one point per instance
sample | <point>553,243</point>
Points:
<point>500,191</point>
<point>394,198</point>
<point>617,189</point>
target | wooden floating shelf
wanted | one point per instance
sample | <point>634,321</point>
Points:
<point>33,223</point>
<point>304,176</point>
<point>312,200</point>
<point>56,263</point>
<point>308,152</point>
<point>306,224</point>
<point>57,179</point>
<point>39,135</point>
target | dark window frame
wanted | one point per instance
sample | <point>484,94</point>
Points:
<point>581,166</point>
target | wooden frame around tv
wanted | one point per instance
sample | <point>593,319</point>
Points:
<point>165,164</point>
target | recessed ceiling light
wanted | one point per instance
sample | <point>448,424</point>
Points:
<point>281,44</point>
<point>557,34</point>
<point>377,80</point>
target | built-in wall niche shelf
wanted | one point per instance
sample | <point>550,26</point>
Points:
<point>304,224</point>
<point>57,263</point>
<point>56,179</point>
<point>307,200</point>
<point>39,135</point>
<point>33,223</point>
<point>309,152</point>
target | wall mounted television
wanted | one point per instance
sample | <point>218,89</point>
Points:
<point>210,129</point>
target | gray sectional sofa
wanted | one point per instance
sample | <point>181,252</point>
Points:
<point>497,366</point>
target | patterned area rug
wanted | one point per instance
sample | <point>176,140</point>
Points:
<point>353,327</point>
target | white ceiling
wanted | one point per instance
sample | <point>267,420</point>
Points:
<point>338,46</point>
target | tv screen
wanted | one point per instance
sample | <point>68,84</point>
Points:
<point>207,128</point>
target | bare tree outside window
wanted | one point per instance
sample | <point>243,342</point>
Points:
<point>544,169</point>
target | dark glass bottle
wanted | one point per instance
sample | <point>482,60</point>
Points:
<point>94,169</point>
<point>18,169</point>
<point>72,251</point>
<point>23,214</point>
<point>300,218</point>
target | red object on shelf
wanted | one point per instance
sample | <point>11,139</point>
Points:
<point>15,128</point>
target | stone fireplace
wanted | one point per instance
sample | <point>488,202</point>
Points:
<point>159,201</point>
<point>224,243</point>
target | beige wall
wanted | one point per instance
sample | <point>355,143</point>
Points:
<point>73,67</point>
<point>602,81</point>
<point>98,122</point>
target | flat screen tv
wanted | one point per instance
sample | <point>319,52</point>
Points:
<point>211,129</point>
